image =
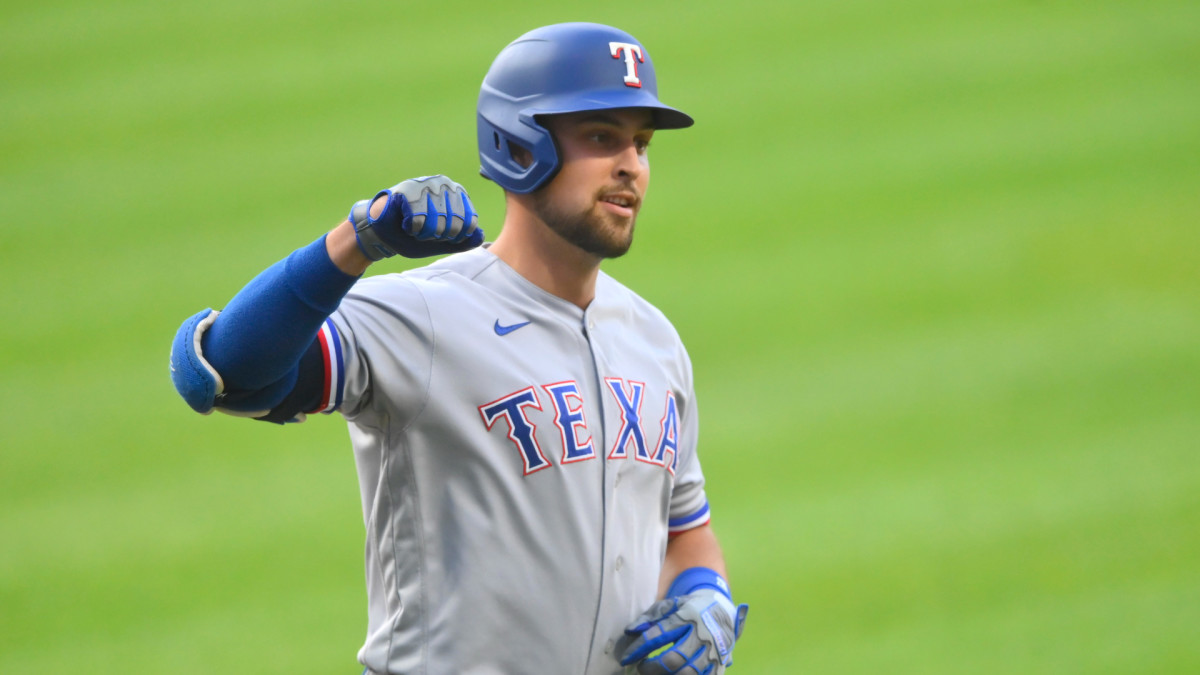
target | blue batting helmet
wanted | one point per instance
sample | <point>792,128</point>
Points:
<point>564,68</point>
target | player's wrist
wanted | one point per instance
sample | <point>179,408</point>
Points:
<point>697,578</point>
<point>344,250</point>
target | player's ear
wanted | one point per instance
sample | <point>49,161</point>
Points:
<point>520,155</point>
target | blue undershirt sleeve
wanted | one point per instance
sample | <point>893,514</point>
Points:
<point>257,341</point>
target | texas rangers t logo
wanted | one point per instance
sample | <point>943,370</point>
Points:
<point>633,56</point>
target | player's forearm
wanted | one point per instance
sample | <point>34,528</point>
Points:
<point>274,318</point>
<point>697,547</point>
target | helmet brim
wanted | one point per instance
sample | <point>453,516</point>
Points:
<point>665,117</point>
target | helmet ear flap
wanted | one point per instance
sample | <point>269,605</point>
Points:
<point>519,162</point>
<point>520,154</point>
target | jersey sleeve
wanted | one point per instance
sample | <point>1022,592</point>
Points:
<point>329,362</point>
<point>689,503</point>
<point>377,351</point>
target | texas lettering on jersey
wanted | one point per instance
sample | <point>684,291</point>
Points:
<point>522,410</point>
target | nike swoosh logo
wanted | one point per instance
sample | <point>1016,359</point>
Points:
<point>505,330</point>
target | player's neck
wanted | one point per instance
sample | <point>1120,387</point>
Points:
<point>546,259</point>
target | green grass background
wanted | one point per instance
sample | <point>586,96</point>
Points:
<point>937,264</point>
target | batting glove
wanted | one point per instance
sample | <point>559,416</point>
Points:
<point>691,632</point>
<point>425,216</point>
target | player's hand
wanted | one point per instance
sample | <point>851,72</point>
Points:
<point>691,634</point>
<point>421,217</point>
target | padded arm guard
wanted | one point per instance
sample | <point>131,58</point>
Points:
<point>247,360</point>
<point>203,388</point>
<point>194,377</point>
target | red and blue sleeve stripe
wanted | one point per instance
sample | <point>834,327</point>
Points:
<point>335,371</point>
<point>684,523</point>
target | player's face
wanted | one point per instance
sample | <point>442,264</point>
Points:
<point>594,199</point>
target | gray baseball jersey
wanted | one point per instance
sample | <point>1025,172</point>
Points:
<point>521,462</point>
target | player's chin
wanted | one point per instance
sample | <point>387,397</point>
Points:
<point>605,242</point>
<point>619,241</point>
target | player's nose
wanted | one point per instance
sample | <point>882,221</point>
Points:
<point>629,163</point>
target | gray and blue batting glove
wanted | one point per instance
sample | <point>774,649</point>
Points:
<point>691,632</point>
<point>422,217</point>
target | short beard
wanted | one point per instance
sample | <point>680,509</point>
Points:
<point>586,230</point>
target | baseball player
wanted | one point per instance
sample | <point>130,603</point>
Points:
<point>524,426</point>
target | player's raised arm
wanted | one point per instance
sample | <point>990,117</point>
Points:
<point>257,357</point>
